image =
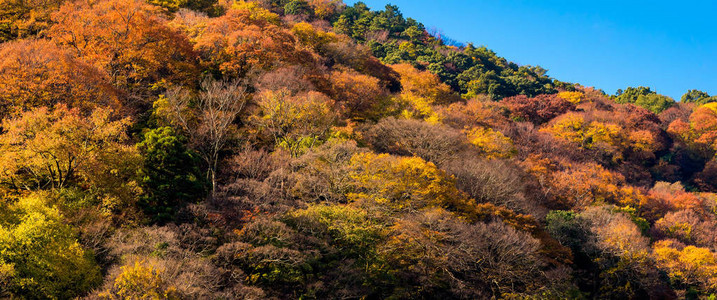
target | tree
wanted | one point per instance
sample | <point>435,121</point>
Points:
<point>697,97</point>
<point>246,37</point>
<point>435,143</point>
<point>421,90</point>
<point>141,281</point>
<point>297,7</point>
<point>434,253</point>
<point>404,184</point>
<point>572,97</point>
<point>687,266</point>
<point>54,148</point>
<point>296,123</point>
<point>210,124</point>
<point>22,18</point>
<point>643,96</point>
<point>700,134</point>
<point>170,173</point>
<point>358,95</point>
<point>626,269</point>
<point>491,143</point>
<point>539,109</point>
<point>37,73</point>
<point>206,6</point>
<point>326,9</point>
<point>130,40</point>
<point>40,257</point>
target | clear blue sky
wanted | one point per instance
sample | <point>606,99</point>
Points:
<point>670,46</point>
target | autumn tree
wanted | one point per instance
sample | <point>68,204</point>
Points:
<point>359,96</point>
<point>491,143</point>
<point>700,133</point>
<point>206,6</point>
<point>296,122</point>
<point>476,112</point>
<point>623,257</point>
<point>539,109</point>
<point>39,253</point>
<point>140,281</point>
<point>54,148</point>
<point>37,73</point>
<point>401,185</point>
<point>326,9</point>
<point>246,37</point>
<point>130,40</point>
<point>207,118</point>
<point>421,90</point>
<point>434,253</point>
<point>20,18</point>
<point>687,266</point>
<point>433,142</point>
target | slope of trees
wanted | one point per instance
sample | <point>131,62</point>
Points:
<point>307,149</point>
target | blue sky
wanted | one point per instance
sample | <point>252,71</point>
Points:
<point>670,46</point>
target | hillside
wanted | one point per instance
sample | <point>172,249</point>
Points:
<point>285,149</point>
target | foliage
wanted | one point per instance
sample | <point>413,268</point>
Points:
<point>20,19</point>
<point>295,123</point>
<point>359,96</point>
<point>351,153</point>
<point>698,134</point>
<point>39,254</point>
<point>140,281</point>
<point>572,97</point>
<point>245,37</point>
<point>538,109</point>
<point>697,97</point>
<point>643,96</point>
<point>130,40</point>
<point>170,173</point>
<point>55,148</point>
<point>38,73</point>
<point>491,143</point>
<point>433,142</point>
<point>687,266</point>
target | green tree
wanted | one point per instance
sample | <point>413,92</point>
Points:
<point>643,96</point>
<point>297,7</point>
<point>697,97</point>
<point>170,173</point>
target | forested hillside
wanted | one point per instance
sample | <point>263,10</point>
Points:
<point>285,149</point>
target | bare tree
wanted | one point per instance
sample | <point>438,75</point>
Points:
<point>208,118</point>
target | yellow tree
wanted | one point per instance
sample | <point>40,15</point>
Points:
<point>491,143</point>
<point>295,123</point>
<point>687,265</point>
<point>40,257</point>
<point>422,90</point>
<point>140,281</point>
<point>409,184</point>
<point>22,18</point>
<point>51,148</point>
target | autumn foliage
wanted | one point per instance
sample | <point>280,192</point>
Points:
<point>315,149</point>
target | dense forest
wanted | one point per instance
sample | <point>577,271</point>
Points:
<point>286,149</point>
